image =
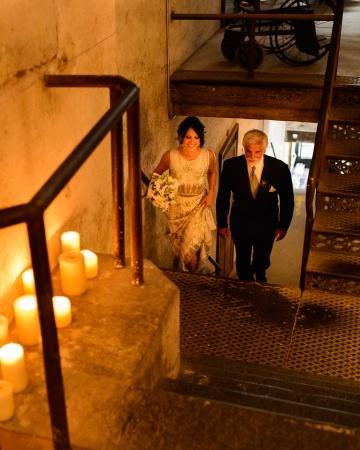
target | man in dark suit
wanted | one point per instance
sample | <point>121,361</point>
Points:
<point>262,205</point>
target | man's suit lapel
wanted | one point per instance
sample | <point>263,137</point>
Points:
<point>244,177</point>
<point>265,178</point>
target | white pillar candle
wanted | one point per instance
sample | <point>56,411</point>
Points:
<point>72,273</point>
<point>28,281</point>
<point>91,263</point>
<point>13,366</point>
<point>62,311</point>
<point>4,330</point>
<point>70,241</point>
<point>27,320</point>
<point>7,404</point>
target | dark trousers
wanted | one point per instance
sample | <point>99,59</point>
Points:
<point>253,248</point>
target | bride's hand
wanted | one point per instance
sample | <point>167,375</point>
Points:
<point>208,200</point>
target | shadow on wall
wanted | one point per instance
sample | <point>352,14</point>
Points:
<point>287,254</point>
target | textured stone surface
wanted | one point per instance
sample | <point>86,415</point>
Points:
<point>122,340</point>
<point>168,421</point>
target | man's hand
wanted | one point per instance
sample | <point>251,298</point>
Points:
<point>224,232</point>
<point>280,234</point>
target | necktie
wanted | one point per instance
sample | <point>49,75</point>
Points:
<point>254,184</point>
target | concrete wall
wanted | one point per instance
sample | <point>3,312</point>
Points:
<point>40,126</point>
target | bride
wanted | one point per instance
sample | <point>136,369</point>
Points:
<point>190,219</point>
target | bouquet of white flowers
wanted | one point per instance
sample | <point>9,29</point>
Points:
<point>162,191</point>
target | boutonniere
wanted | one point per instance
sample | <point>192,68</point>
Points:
<point>265,184</point>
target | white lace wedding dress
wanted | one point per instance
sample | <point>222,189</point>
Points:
<point>191,225</point>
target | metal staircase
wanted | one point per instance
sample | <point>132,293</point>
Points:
<point>334,257</point>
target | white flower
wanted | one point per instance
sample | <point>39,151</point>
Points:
<point>162,191</point>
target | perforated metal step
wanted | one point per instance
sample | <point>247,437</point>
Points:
<point>341,132</point>
<point>344,148</point>
<point>339,223</point>
<point>335,183</point>
<point>269,325</point>
<point>323,241</point>
<point>343,165</point>
<point>336,231</point>
<point>342,113</point>
<point>331,344</point>
<point>336,264</point>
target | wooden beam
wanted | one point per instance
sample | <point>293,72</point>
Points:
<point>267,96</point>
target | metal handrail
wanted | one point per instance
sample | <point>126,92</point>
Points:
<point>124,97</point>
<point>321,134</point>
<point>252,16</point>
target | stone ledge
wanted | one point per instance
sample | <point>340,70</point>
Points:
<point>123,339</point>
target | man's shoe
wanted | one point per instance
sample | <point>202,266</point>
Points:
<point>260,277</point>
<point>246,277</point>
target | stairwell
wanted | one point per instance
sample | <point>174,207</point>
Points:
<point>266,366</point>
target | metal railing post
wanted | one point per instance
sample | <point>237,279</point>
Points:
<point>117,176</point>
<point>51,355</point>
<point>133,130</point>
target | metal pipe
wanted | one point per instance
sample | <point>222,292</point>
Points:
<point>87,81</point>
<point>16,214</point>
<point>82,151</point>
<point>51,355</point>
<point>133,129</point>
<point>117,176</point>
<point>254,16</point>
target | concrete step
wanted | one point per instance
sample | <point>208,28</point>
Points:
<point>169,420</point>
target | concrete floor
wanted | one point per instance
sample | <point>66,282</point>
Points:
<point>209,56</point>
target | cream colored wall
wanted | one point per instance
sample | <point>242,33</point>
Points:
<point>185,36</point>
<point>40,126</point>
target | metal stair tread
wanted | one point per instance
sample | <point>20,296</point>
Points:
<point>337,223</point>
<point>277,376</point>
<point>308,386</point>
<point>334,263</point>
<point>347,185</point>
<point>280,389</point>
<point>346,81</point>
<point>342,148</point>
<point>255,401</point>
<point>344,114</point>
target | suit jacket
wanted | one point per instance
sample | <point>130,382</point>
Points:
<point>273,206</point>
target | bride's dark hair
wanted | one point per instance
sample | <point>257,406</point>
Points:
<point>194,123</point>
